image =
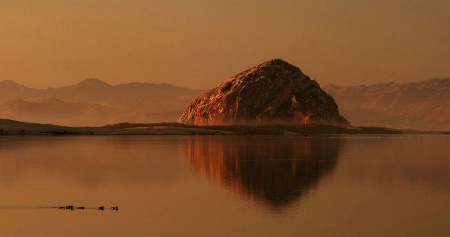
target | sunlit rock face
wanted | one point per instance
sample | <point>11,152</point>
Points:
<point>272,92</point>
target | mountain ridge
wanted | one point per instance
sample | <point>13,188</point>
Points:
<point>415,105</point>
<point>391,104</point>
<point>131,102</point>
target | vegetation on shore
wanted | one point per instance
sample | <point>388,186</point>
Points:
<point>11,127</point>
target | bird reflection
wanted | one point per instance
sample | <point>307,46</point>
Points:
<point>275,171</point>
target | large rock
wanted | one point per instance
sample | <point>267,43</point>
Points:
<point>272,92</point>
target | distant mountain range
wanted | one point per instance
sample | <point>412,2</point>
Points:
<point>93,103</point>
<point>418,105</point>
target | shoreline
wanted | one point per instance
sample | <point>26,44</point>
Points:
<point>11,127</point>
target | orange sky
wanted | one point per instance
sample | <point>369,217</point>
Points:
<point>200,43</point>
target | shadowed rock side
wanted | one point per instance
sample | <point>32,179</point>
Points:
<point>274,171</point>
<point>272,92</point>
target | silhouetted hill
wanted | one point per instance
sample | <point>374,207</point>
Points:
<point>10,90</point>
<point>417,105</point>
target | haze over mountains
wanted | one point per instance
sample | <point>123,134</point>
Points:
<point>418,105</point>
<point>421,105</point>
<point>93,102</point>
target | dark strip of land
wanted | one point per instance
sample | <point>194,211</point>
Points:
<point>11,127</point>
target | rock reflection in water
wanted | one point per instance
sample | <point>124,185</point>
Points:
<point>275,171</point>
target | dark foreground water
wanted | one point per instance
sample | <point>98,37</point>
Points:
<point>226,185</point>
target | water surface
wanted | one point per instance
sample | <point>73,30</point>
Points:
<point>392,185</point>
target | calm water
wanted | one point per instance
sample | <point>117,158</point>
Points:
<point>226,185</point>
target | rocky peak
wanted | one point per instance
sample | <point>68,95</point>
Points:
<point>272,92</point>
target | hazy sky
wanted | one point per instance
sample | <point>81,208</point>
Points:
<point>200,43</point>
